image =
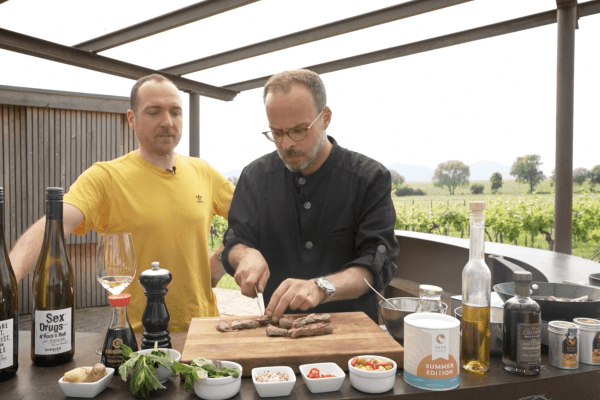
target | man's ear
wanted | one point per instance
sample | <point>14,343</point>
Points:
<point>131,118</point>
<point>326,117</point>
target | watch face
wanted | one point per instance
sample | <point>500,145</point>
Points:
<point>326,284</point>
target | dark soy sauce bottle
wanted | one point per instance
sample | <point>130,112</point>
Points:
<point>522,342</point>
<point>118,332</point>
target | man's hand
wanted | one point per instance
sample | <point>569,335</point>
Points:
<point>295,294</point>
<point>251,270</point>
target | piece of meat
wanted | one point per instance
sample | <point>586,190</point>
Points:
<point>273,330</point>
<point>223,326</point>
<point>244,324</point>
<point>319,329</point>
<point>311,319</point>
<point>286,322</point>
<point>264,320</point>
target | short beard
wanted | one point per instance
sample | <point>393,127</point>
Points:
<point>312,155</point>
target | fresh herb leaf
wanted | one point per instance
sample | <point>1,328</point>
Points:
<point>143,377</point>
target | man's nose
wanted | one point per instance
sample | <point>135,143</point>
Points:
<point>166,120</point>
<point>286,141</point>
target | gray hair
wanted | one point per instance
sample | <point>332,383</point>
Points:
<point>284,81</point>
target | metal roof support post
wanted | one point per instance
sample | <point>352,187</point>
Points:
<point>194,124</point>
<point>563,198</point>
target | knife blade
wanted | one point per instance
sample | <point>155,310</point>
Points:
<point>260,307</point>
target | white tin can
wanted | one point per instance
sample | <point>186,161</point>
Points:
<point>589,340</point>
<point>431,351</point>
<point>563,347</point>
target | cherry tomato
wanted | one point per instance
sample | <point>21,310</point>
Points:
<point>353,361</point>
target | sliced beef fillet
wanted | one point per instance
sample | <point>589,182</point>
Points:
<point>286,322</point>
<point>264,320</point>
<point>244,324</point>
<point>319,329</point>
<point>223,326</point>
<point>273,330</point>
<point>311,319</point>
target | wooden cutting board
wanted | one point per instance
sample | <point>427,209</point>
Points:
<point>354,334</point>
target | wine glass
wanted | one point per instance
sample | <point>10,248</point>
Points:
<point>115,262</point>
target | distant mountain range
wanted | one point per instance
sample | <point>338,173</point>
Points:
<point>480,171</point>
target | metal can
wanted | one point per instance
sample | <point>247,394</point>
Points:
<point>431,351</point>
<point>589,342</point>
<point>563,346</point>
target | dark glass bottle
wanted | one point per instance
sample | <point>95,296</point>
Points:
<point>522,342</point>
<point>9,313</point>
<point>118,332</point>
<point>53,316</point>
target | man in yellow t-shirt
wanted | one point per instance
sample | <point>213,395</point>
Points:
<point>166,200</point>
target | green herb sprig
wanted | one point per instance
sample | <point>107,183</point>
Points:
<point>202,368</point>
<point>142,368</point>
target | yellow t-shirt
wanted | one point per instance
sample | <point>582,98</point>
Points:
<point>169,217</point>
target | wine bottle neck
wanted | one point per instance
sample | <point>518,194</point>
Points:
<point>54,210</point>
<point>477,242</point>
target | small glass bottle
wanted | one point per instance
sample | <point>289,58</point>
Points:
<point>476,298</point>
<point>430,299</point>
<point>118,332</point>
<point>522,342</point>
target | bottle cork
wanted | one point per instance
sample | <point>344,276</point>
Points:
<point>477,207</point>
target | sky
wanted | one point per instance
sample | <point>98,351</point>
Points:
<point>493,99</point>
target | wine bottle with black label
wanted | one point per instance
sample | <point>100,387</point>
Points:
<point>53,316</point>
<point>9,313</point>
<point>522,341</point>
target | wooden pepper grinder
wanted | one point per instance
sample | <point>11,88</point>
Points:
<point>156,316</point>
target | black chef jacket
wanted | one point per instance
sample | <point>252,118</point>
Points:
<point>310,226</point>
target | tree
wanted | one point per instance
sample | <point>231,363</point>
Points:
<point>397,179</point>
<point>580,175</point>
<point>594,176</point>
<point>496,181</point>
<point>527,170</point>
<point>477,188</point>
<point>451,174</point>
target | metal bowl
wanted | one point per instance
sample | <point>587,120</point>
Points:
<point>594,279</point>
<point>393,319</point>
<point>496,328</point>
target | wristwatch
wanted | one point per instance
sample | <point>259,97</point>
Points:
<point>325,285</point>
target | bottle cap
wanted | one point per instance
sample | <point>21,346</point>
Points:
<point>477,207</point>
<point>430,290</point>
<point>54,193</point>
<point>119,300</point>
<point>522,277</point>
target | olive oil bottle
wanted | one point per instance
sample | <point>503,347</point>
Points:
<point>53,316</point>
<point>522,330</point>
<point>9,313</point>
<point>476,298</point>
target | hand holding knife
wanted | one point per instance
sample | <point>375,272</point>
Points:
<point>260,307</point>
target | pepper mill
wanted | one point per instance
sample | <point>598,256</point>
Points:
<point>155,318</point>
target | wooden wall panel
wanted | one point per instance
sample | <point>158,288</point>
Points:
<point>42,147</point>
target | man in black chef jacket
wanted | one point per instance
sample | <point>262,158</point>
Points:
<point>310,220</point>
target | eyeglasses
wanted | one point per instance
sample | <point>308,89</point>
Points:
<point>296,134</point>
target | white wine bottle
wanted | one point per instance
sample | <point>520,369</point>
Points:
<point>53,316</point>
<point>9,312</point>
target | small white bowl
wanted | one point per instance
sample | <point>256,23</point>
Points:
<point>162,372</point>
<point>323,385</point>
<point>219,388</point>
<point>86,390</point>
<point>274,389</point>
<point>372,381</point>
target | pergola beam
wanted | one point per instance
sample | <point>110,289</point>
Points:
<point>183,16</point>
<point>374,18</point>
<point>29,45</point>
<point>484,32</point>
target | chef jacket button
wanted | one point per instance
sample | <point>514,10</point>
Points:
<point>381,248</point>
<point>302,181</point>
<point>309,245</point>
<point>307,205</point>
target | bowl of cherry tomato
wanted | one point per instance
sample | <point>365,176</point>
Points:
<point>322,377</point>
<point>372,374</point>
